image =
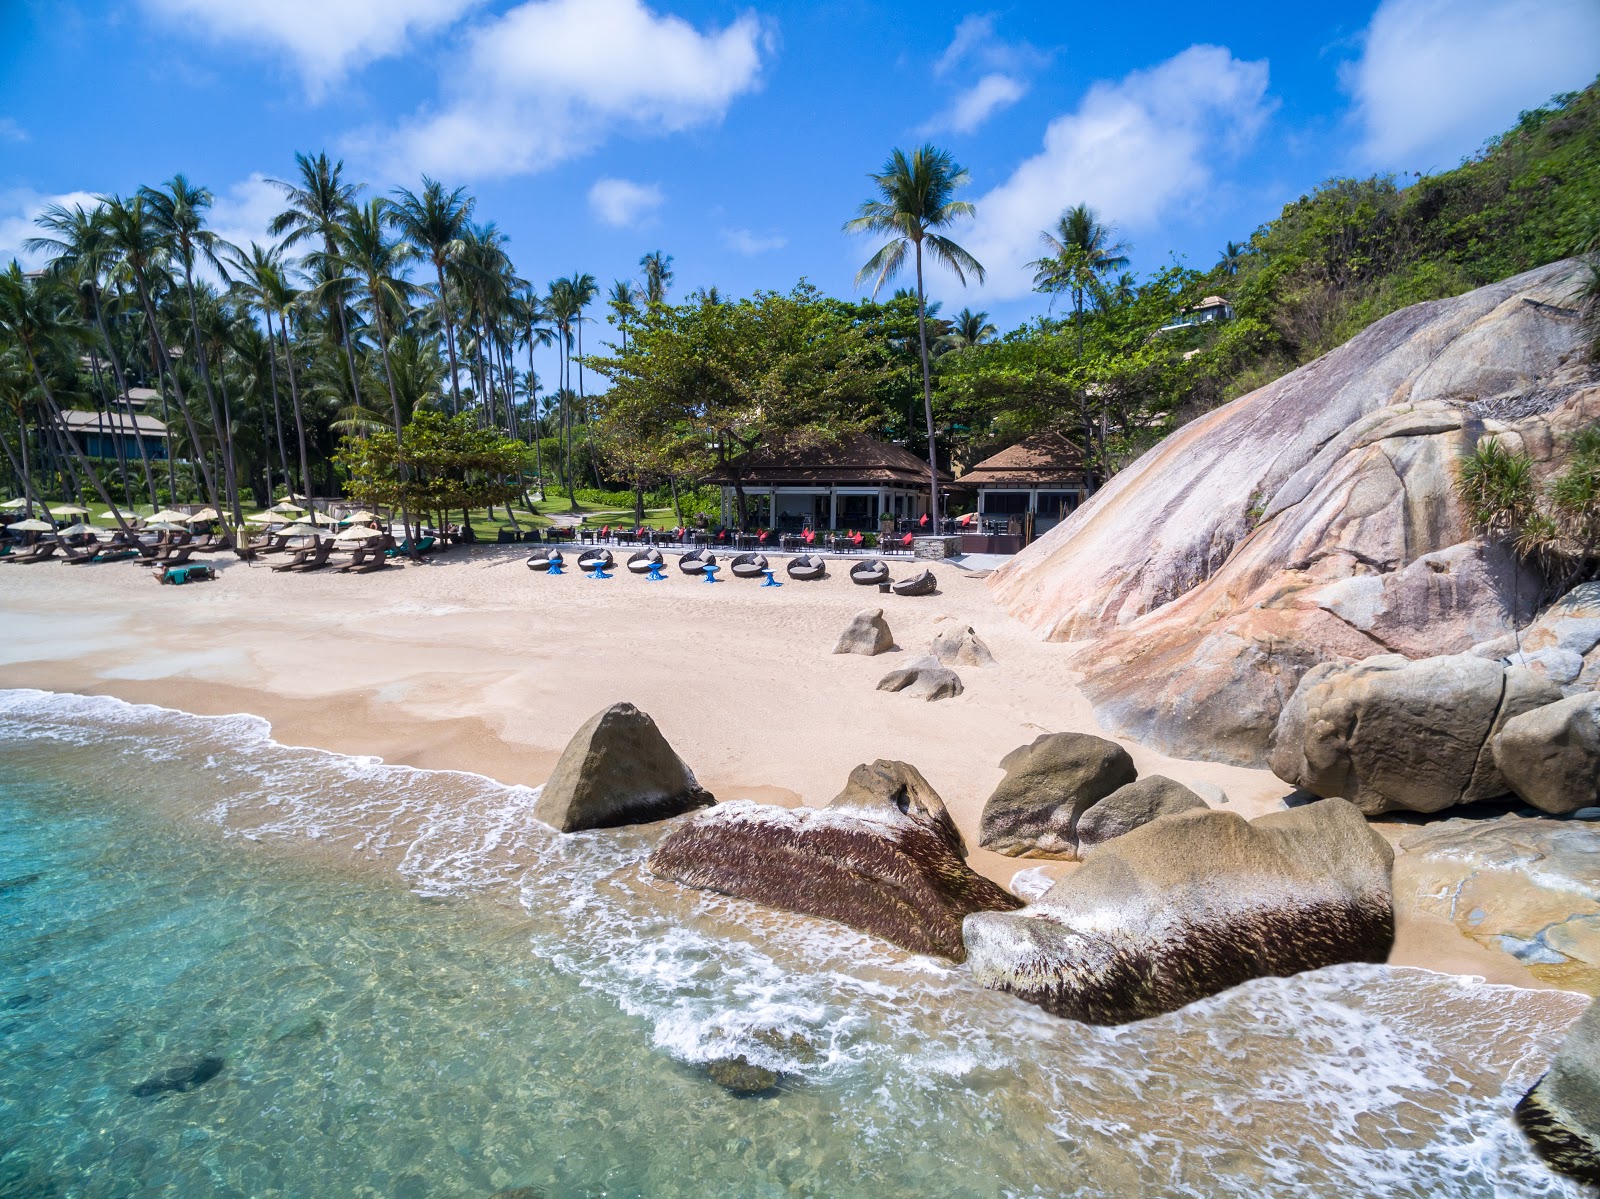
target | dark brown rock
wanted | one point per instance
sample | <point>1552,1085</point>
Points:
<point>738,1075</point>
<point>618,769</point>
<point>884,857</point>
<point>1190,905</point>
<point>1049,784</point>
<point>1561,1114</point>
<point>1132,806</point>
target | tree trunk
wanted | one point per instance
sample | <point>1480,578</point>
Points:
<point>88,467</point>
<point>299,422</point>
<point>277,410</point>
<point>394,400</point>
<point>122,390</point>
<point>449,340</point>
<point>927,398</point>
<point>177,390</point>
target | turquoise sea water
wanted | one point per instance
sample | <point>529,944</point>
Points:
<point>415,990</point>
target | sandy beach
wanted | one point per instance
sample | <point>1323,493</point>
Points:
<point>472,662</point>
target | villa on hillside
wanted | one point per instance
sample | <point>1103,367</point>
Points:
<point>1024,490</point>
<point>1207,311</point>
<point>99,435</point>
<point>852,484</point>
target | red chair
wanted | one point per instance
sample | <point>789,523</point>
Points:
<point>809,536</point>
<point>908,538</point>
<point>856,539</point>
<point>762,540</point>
<point>605,532</point>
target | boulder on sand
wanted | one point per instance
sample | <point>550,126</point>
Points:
<point>958,645</point>
<point>884,857</point>
<point>618,769</point>
<point>867,633</point>
<point>1133,805</point>
<point>1390,734</point>
<point>1561,1114</point>
<point>1190,905</point>
<point>1049,784</point>
<point>923,679</point>
<point>1551,755</point>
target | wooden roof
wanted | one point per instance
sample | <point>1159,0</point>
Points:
<point>80,421</point>
<point>1035,461</point>
<point>851,462</point>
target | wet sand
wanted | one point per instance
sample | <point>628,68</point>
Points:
<point>472,662</point>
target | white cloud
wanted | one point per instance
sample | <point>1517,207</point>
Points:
<point>324,38</point>
<point>18,208</point>
<point>743,241</point>
<point>10,131</point>
<point>621,202</point>
<point>976,43</point>
<point>549,79</point>
<point>1438,77</point>
<point>978,103</point>
<point>1132,150</point>
<point>241,213</point>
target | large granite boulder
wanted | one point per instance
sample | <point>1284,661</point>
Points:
<point>618,769</point>
<point>1561,1114</point>
<point>1133,805</point>
<point>1313,520</point>
<point>957,644</point>
<point>923,679</point>
<point>1390,734</point>
<point>1551,755</point>
<point>867,633</point>
<point>1049,784</point>
<point>1190,905</point>
<point>1568,632</point>
<point>884,857</point>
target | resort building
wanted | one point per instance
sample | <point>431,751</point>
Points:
<point>853,484</point>
<point>1027,489</point>
<point>1207,311</point>
<point>97,435</point>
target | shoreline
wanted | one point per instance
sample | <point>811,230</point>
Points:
<point>462,665</point>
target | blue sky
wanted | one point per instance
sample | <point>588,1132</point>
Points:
<point>738,136</point>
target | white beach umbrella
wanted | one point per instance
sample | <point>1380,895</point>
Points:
<point>77,530</point>
<point>70,510</point>
<point>304,530</point>
<point>203,515</point>
<point>165,526</point>
<point>268,518</point>
<point>357,518</point>
<point>15,504</point>
<point>286,506</point>
<point>30,526</point>
<point>166,514</point>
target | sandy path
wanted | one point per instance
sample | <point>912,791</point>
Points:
<point>472,662</point>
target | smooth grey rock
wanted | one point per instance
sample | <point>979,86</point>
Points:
<point>1135,804</point>
<point>1049,784</point>
<point>958,645</point>
<point>923,679</point>
<point>1558,665</point>
<point>867,633</point>
<point>884,857</point>
<point>1577,635</point>
<point>1388,734</point>
<point>618,769</point>
<point>1190,905</point>
<point>184,1077</point>
<point>738,1075</point>
<point>1561,1114</point>
<point>1551,755</point>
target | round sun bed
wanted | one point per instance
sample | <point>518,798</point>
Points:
<point>872,573</point>
<point>922,584</point>
<point>591,558</point>
<point>641,562</point>
<point>749,566</point>
<point>542,559</point>
<point>807,566</point>
<point>696,561</point>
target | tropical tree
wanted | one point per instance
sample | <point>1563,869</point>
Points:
<point>657,268</point>
<point>916,198</point>
<point>1232,257</point>
<point>435,222</point>
<point>1081,253</point>
<point>969,328</point>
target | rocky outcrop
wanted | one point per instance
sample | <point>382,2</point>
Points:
<point>1133,805</point>
<point>1551,755</point>
<point>1561,1114</point>
<point>867,633</point>
<point>1390,734</point>
<point>1518,885</point>
<point>923,679</point>
<point>1313,520</point>
<point>618,769</point>
<point>1190,905</point>
<point>884,857</point>
<point>1567,633</point>
<point>1048,785</point>
<point>957,644</point>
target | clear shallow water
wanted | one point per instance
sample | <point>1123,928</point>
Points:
<point>417,991</point>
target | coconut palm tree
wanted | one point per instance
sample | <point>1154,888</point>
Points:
<point>584,290</point>
<point>969,328</point>
<point>1232,257</point>
<point>623,300</point>
<point>316,210</point>
<point>916,198</point>
<point>657,267</point>
<point>258,278</point>
<point>178,214</point>
<point>1081,253</point>
<point>435,223</point>
<point>564,308</point>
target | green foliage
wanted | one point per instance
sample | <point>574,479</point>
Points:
<point>449,464</point>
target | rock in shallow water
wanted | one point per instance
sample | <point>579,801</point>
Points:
<point>184,1077</point>
<point>1049,784</point>
<point>1561,1114</point>
<point>884,857</point>
<point>738,1075</point>
<point>1190,905</point>
<point>618,769</point>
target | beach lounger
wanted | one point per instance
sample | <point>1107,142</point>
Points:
<point>925,583</point>
<point>806,567</point>
<point>545,559</point>
<point>34,553</point>
<point>696,561</point>
<point>870,573</point>
<point>748,566</point>
<point>311,558</point>
<point>640,562</point>
<point>193,572</point>
<point>366,558</point>
<point>598,557</point>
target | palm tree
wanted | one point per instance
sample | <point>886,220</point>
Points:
<point>657,267</point>
<point>916,198</point>
<point>366,250</point>
<point>435,222</point>
<point>260,277</point>
<point>1081,252</point>
<point>178,214</point>
<point>15,386</point>
<point>584,290</point>
<point>1232,257</point>
<point>623,300</point>
<point>316,209</point>
<point>534,330</point>
<point>564,309</point>
<point>969,328</point>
